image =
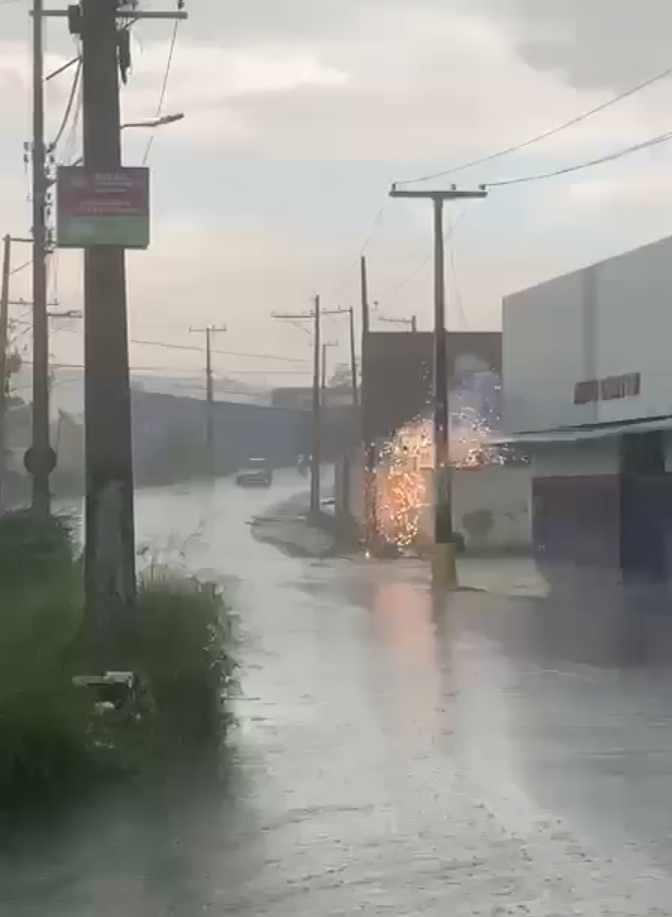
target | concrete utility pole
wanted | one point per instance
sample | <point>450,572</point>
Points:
<point>370,501</point>
<point>444,567</point>
<point>40,458</point>
<point>209,393</point>
<point>110,540</point>
<point>110,535</point>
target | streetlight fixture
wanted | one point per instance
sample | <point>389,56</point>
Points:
<point>148,123</point>
<point>155,122</point>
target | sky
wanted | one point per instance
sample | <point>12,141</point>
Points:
<point>298,116</point>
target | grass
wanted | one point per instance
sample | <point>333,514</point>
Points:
<point>53,742</point>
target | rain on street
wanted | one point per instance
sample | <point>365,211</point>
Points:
<point>389,758</point>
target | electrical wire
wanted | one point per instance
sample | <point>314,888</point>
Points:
<point>376,223</point>
<point>164,87</point>
<point>226,353</point>
<point>21,267</point>
<point>610,157</point>
<point>544,135</point>
<point>69,106</point>
<point>70,142</point>
<point>418,270</point>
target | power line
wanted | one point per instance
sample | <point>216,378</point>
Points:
<point>551,132</point>
<point>70,142</point>
<point>69,105</point>
<point>418,270</point>
<point>225,353</point>
<point>362,251</point>
<point>21,267</point>
<point>611,157</point>
<point>164,87</point>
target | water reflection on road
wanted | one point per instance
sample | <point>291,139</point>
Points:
<point>392,756</point>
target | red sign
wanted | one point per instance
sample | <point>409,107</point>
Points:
<point>102,207</point>
<point>120,193</point>
<point>612,388</point>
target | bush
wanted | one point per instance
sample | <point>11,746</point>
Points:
<point>43,721</point>
<point>181,648</point>
<point>52,739</point>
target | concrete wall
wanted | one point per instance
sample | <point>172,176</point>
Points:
<point>491,506</point>
<point>611,319</point>
<point>492,509</point>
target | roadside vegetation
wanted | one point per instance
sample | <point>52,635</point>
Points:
<point>56,738</point>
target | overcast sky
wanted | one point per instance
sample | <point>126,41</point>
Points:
<point>299,113</point>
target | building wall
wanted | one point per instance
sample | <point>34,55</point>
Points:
<point>576,505</point>
<point>492,507</point>
<point>609,320</point>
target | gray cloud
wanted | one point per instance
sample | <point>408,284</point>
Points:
<point>594,42</point>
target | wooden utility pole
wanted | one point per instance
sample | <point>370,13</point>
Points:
<point>444,568</point>
<point>209,330</point>
<point>4,323</point>
<point>40,458</point>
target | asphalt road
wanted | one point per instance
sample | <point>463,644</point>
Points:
<point>479,756</point>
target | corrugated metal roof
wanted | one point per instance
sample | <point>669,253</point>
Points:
<point>583,434</point>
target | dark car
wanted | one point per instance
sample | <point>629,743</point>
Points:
<point>256,472</point>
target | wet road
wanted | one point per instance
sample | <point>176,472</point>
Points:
<point>492,757</point>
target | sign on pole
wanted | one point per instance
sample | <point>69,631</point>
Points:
<point>102,208</point>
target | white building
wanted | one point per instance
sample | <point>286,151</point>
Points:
<point>587,366</point>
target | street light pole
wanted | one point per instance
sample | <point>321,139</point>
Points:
<point>444,568</point>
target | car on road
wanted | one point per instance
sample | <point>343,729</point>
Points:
<point>256,472</point>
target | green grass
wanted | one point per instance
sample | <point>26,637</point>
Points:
<point>52,741</point>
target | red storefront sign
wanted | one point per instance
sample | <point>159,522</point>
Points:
<point>611,388</point>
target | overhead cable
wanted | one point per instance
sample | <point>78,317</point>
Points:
<point>610,157</point>
<point>551,132</point>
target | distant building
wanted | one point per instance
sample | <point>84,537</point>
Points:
<point>398,371</point>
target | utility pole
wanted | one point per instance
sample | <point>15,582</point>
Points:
<point>110,530</point>
<point>370,501</point>
<point>4,318</point>
<point>40,459</point>
<point>316,458</point>
<point>444,567</point>
<point>110,537</point>
<point>353,359</point>
<point>209,330</point>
